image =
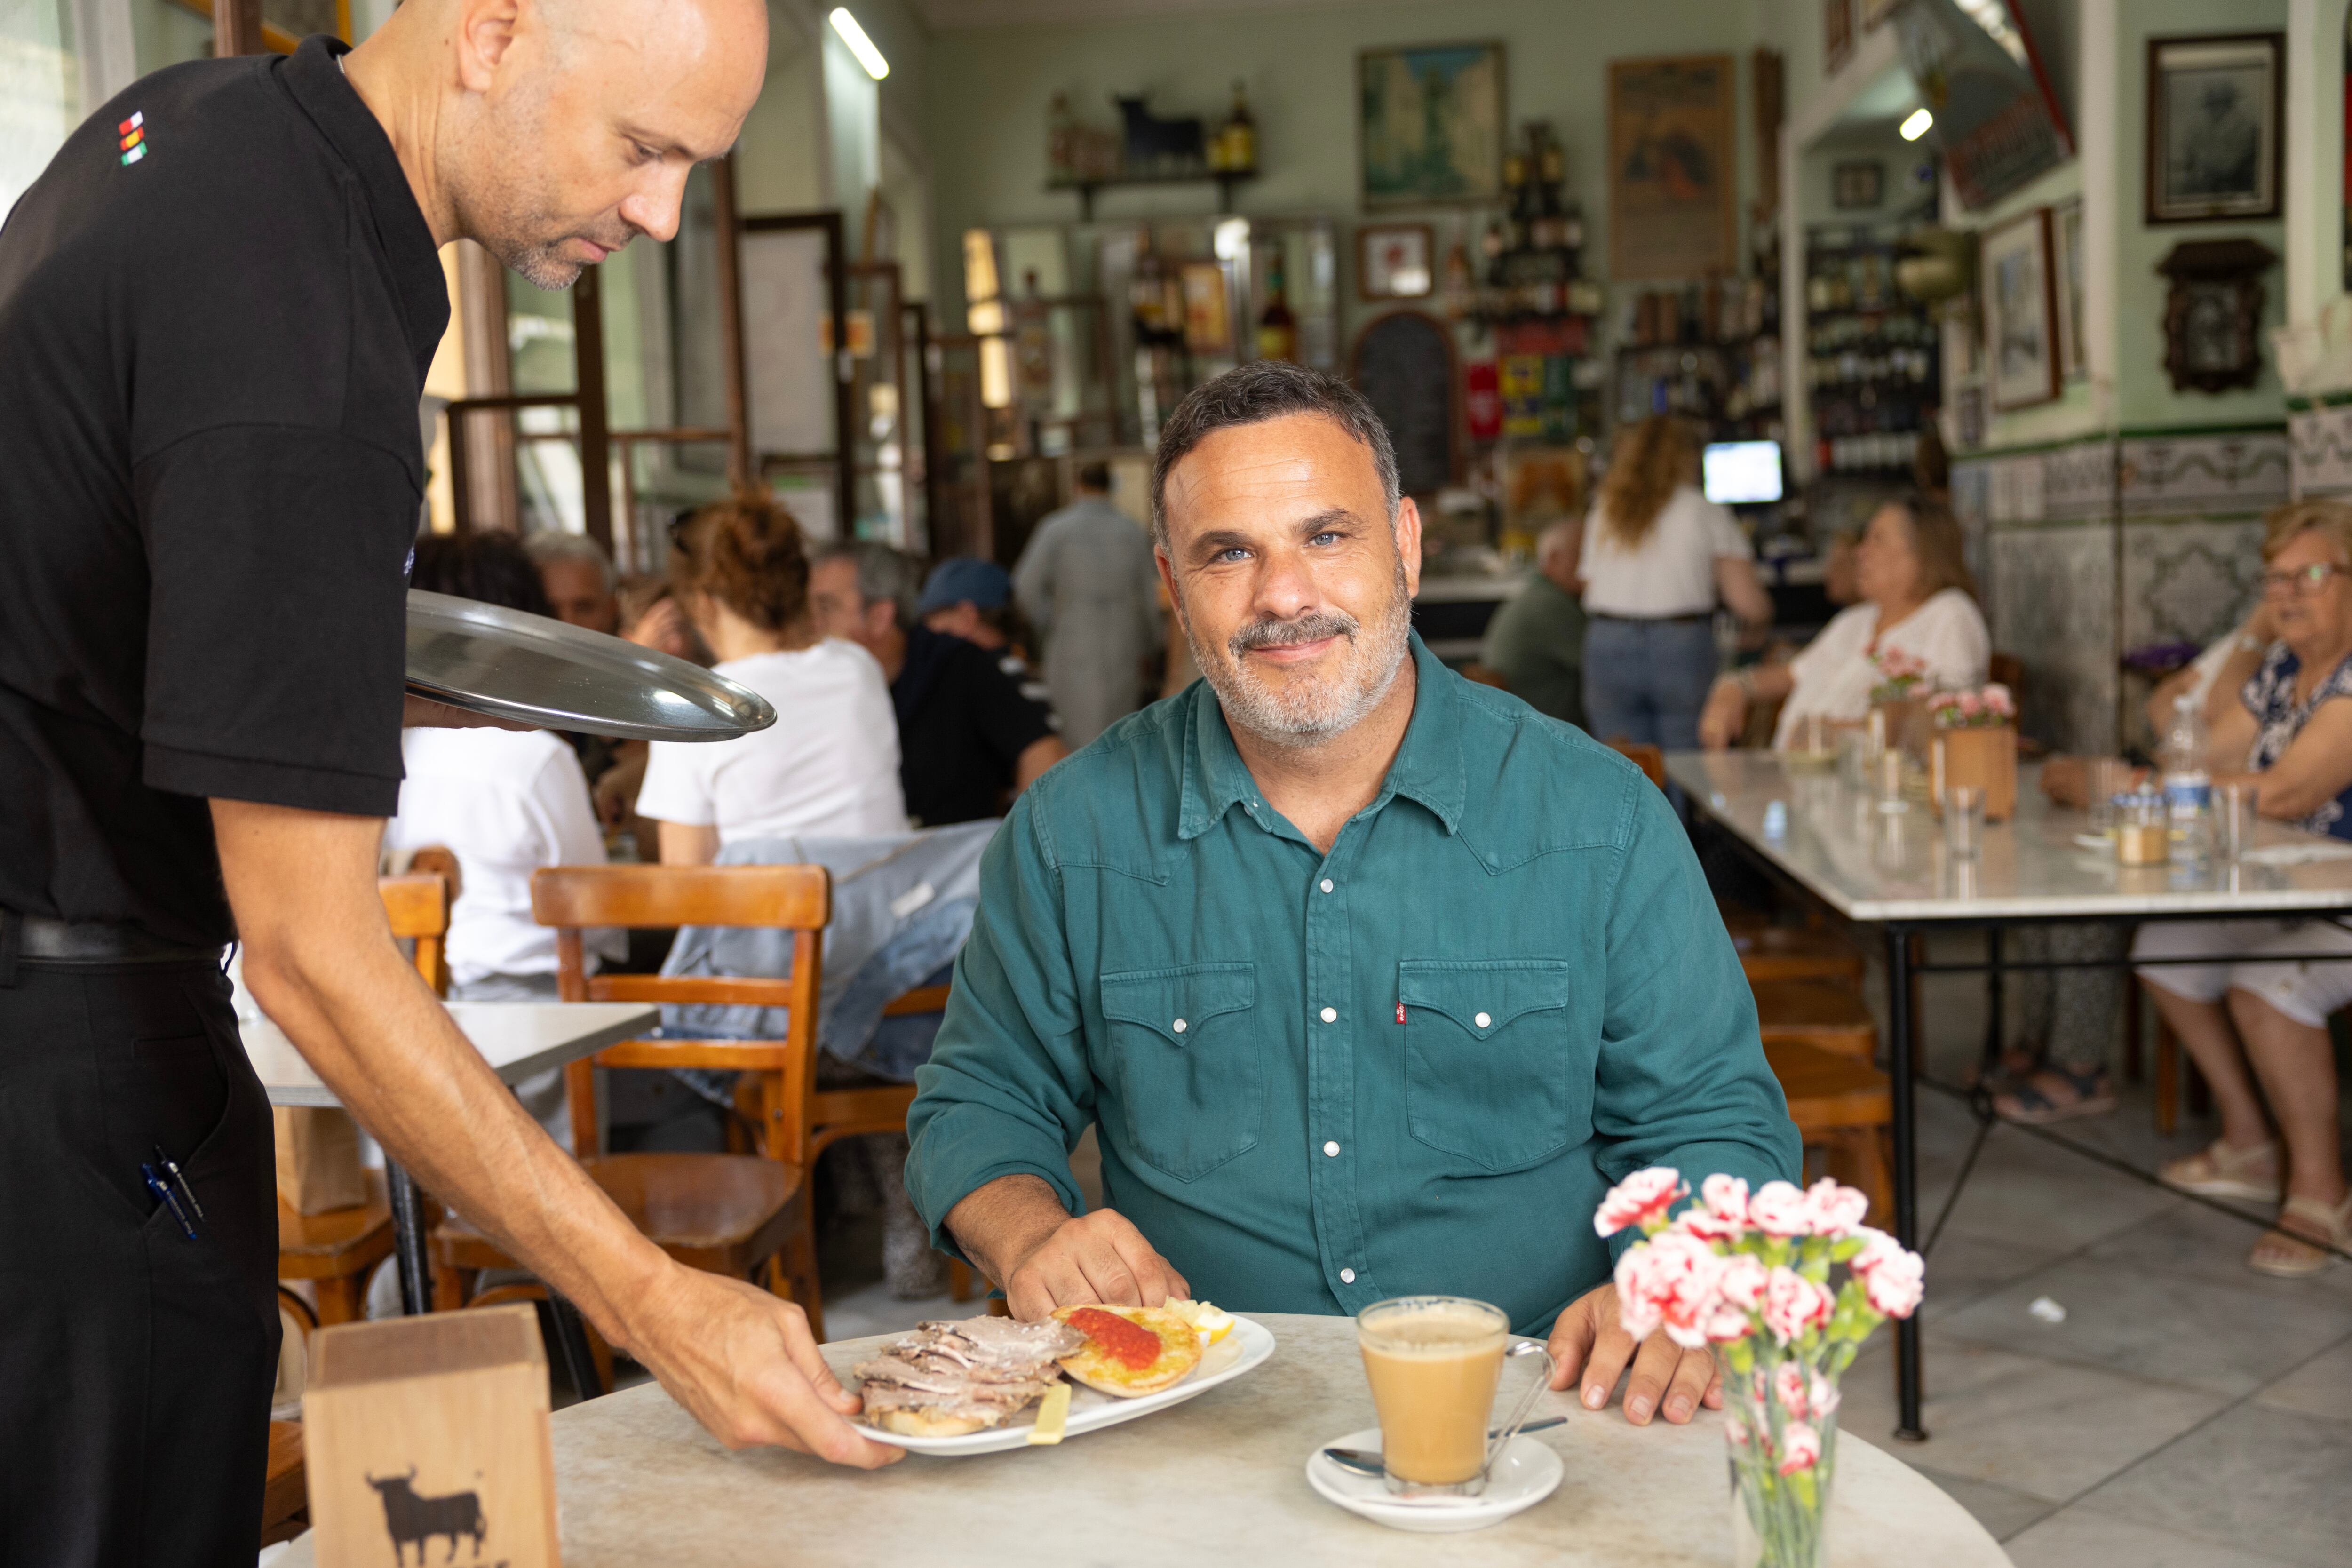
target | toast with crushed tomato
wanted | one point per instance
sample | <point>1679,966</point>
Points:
<point>1130,1350</point>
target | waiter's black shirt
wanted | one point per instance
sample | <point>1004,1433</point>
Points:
<point>963,726</point>
<point>210,474</point>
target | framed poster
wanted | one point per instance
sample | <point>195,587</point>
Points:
<point>1670,168</point>
<point>1395,261</point>
<point>1429,123</point>
<point>2215,107</point>
<point>2021,313</point>
<point>2066,256</point>
<point>1855,186</point>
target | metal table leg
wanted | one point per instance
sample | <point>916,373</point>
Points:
<point>1906,1170</point>
<point>408,1240</point>
<point>572,1344</point>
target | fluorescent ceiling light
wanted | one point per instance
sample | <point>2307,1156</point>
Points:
<point>1912,128</point>
<point>859,44</point>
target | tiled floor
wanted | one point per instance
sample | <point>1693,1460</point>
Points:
<point>2187,1411</point>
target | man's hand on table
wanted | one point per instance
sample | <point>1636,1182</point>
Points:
<point>1017,1231</point>
<point>1592,1350</point>
<point>746,1366</point>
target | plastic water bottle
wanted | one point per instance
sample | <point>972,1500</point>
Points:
<point>2188,784</point>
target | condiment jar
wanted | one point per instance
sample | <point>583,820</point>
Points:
<point>2143,832</point>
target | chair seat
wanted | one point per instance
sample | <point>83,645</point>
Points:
<point>1828,1090</point>
<point>285,1493</point>
<point>1817,1013</point>
<point>337,1242</point>
<point>1768,953</point>
<point>718,1212</point>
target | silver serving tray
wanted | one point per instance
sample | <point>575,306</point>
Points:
<point>504,664</point>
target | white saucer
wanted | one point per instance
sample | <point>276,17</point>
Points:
<point>1524,1475</point>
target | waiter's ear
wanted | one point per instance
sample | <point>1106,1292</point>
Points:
<point>487,29</point>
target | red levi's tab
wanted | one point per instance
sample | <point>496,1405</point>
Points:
<point>1399,1012</point>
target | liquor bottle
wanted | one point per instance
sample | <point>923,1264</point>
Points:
<point>1146,295</point>
<point>1277,329</point>
<point>1239,136</point>
<point>1061,143</point>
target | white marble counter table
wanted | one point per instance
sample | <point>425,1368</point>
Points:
<point>517,1039</point>
<point>1215,1482</point>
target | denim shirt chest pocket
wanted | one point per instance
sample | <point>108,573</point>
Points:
<point>1187,1062</point>
<point>1493,1073</point>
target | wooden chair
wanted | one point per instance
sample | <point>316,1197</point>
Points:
<point>285,1491</point>
<point>1768,953</point>
<point>1841,1106</point>
<point>1485,676</point>
<point>1649,759</point>
<point>1819,1013</point>
<point>337,1250</point>
<point>728,1213</point>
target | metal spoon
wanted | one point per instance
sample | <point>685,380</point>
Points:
<point>1364,1461</point>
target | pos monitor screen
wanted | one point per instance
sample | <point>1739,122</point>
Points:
<point>1742,473</point>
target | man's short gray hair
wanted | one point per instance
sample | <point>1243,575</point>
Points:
<point>1261,390</point>
<point>553,544</point>
<point>882,573</point>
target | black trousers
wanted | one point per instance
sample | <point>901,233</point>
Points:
<point>135,1365</point>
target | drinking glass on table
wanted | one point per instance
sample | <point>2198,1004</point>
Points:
<point>1433,1364</point>
<point>2107,777</point>
<point>1964,821</point>
<point>2234,819</point>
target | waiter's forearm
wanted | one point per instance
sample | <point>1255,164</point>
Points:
<point>320,961</point>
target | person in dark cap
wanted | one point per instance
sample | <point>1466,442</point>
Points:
<point>970,737</point>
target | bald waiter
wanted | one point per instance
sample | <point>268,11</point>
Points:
<point>217,308</point>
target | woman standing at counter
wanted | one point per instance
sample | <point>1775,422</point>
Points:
<point>1657,556</point>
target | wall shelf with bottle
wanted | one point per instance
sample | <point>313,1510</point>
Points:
<point>1710,352</point>
<point>1873,371</point>
<point>1147,150</point>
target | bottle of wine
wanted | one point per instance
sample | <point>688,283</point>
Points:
<point>1239,136</point>
<point>1147,294</point>
<point>1277,327</point>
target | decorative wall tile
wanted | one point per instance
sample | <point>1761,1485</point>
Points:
<point>2078,482</point>
<point>2187,475</point>
<point>2053,607</point>
<point>1972,490</point>
<point>2322,441</point>
<point>2188,581</point>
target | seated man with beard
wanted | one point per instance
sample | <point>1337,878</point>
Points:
<point>1372,980</point>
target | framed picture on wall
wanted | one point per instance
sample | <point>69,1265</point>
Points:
<point>1837,32</point>
<point>2020,312</point>
<point>1395,261</point>
<point>1854,186</point>
<point>2215,109</point>
<point>2066,256</point>
<point>1670,168</point>
<point>1429,124</point>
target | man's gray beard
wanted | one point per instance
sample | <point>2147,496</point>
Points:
<point>1308,718</point>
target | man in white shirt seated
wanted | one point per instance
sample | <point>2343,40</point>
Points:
<point>505,803</point>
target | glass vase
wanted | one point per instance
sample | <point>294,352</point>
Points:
<point>1778,1521</point>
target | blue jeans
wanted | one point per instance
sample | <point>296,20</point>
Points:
<point>1646,681</point>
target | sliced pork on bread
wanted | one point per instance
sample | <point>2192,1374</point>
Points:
<point>945,1380</point>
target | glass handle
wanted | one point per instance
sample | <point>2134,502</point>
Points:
<point>1510,1429</point>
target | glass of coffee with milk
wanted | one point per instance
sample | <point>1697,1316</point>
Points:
<point>1434,1363</point>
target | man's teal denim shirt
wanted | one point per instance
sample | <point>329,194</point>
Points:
<point>1412,1064</point>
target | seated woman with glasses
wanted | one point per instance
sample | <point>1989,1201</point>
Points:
<point>2255,1017</point>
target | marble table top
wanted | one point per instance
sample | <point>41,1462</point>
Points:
<point>1218,1479</point>
<point>516,1039</point>
<point>1873,865</point>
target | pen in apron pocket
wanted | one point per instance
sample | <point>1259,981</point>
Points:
<point>167,1198</point>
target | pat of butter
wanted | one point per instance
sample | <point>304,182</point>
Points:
<point>1053,1414</point>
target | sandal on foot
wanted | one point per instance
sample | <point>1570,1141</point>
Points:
<point>2222,1171</point>
<point>2286,1254</point>
<point>2028,1103</point>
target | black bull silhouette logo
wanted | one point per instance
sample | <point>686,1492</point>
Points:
<point>410,1518</point>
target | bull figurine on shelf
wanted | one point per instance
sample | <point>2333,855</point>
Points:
<point>1157,146</point>
<point>409,1518</point>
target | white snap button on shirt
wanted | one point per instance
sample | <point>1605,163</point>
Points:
<point>1346,1277</point>
<point>1327,884</point>
<point>1482,1020</point>
<point>1330,1014</point>
<point>1331,1148</point>
<point>1178,1025</point>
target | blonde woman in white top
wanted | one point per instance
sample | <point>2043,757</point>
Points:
<point>1918,600</point>
<point>1658,555</point>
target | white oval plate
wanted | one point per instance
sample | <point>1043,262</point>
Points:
<point>1525,1473</point>
<point>1090,1409</point>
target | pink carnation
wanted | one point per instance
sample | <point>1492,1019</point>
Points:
<point>1735,1428</point>
<point>1823,1395</point>
<point>1741,1283</point>
<point>1789,1388</point>
<point>1801,1447</point>
<point>1794,1304</point>
<point>1641,1197</point>
<point>1727,1323</point>
<point>1779,1209</point>
<point>1997,699</point>
<point>1669,1280</point>
<point>1835,1210</point>
<point>1721,1212</point>
<point>1896,1285</point>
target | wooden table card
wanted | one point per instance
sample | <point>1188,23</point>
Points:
<point>432,1432</point>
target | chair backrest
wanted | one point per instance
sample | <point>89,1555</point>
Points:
<point>1648,758</point>
<point>1485,675</point>
<point>798,899</point>
<point>2006,669</point>
<point>418,907</point>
